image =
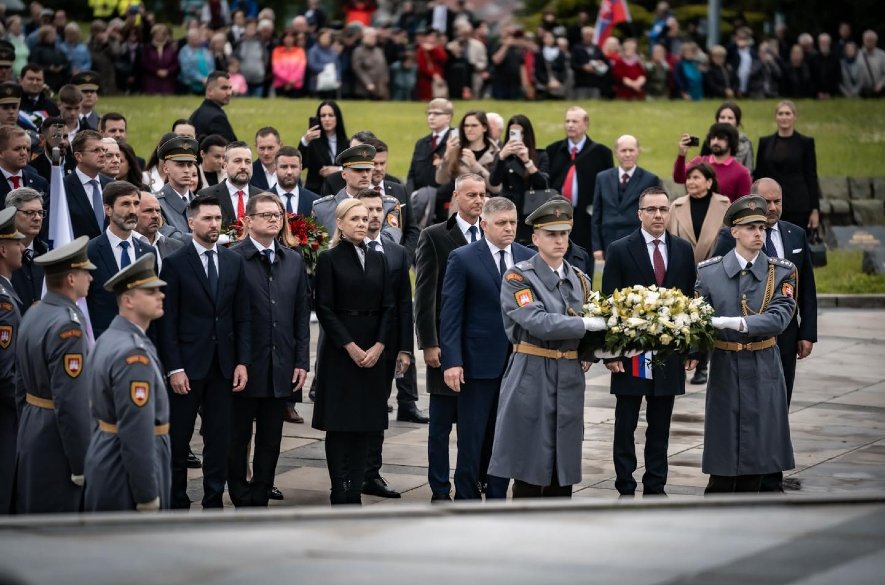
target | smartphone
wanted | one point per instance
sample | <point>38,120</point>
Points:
<point>312,121</point>
<point>515,134</point>
<point>694,141</point>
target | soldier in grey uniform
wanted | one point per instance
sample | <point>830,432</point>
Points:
<point>357,163</point>
<point>129,461</point>
<point>178,155</point>
<point>746,430</point>
<point>11,249</point>
<point>51,389</point>
<point>540,422</point>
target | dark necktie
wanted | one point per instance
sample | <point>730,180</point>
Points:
<point>770,250</point>
<point>433,142</point>
<point>502,266</point>
<point>84,122</point>
<point>97,205</point>
<point>473,233</point>
<point>268,253</point>
<point>288,197</point>
<point>660,270</point>
<point>124,255</point>
<point>625,178</point>
<point>212,273</point>
<point>28,256</point>
<point>373,246</point>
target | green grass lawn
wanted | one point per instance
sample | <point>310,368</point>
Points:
<point>850,135</point>
<point>842,274</point>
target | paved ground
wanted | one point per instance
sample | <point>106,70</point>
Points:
<point>837,421</point>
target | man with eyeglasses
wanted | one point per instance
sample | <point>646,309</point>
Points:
<point>429,150</point>
<point>28,280</point>
<point>84,186</point>
<point>649,256</point>
<point>276,280</point>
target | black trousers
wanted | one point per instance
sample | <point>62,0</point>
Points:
<point>728,484</point>
<point>522,489</point>
<point>213,397</point>
<point>376,439</point>
<point>658,411</point>
<point>407,386</point>
<point>346,458</point>
<point>267,414</point>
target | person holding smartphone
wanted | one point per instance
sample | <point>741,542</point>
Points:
<point>734,179</point>
<point>324,140</point>
<point>520,167</point>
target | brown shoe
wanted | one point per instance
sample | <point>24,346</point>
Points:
<point>291,415</point>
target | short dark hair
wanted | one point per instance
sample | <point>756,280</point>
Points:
<point>708,172</point>
<point>200,201</point>
<point>254,200</point>
<point>233,145</point>
<point>82,137</point>
<point>288,151</point>
<point>652,191</point>
<point>726,131</point>
<point>215,76</point>
<point>368,194</point>
<point>50,122</point>
<point>111,117</point>
<point>30,67</point>
<point>377,143</point>
<point>363,136</point>
<point>268,131</point>
<point>70,95</point>
<point>116,189</point>
<point>213,140</point>
<point>736,110</point>
<point>179,121</point>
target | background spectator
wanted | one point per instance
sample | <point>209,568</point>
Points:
<point>873,59</point>
<point>195,64</point>
<point>659,73</point>
<point>289,65</point>
<point>322,63</point>
<point>719,80</point>
<point>370,68</point>
<point>797,80</point>
<point>689,75</point>
<point>730,113</point>
<point>551,69</point>
<point>765,73</point>
<point>403,75</point>
<point>56,69</point>
<point>826,69</point>
<point>75,50</point>
<point>253,55</point>
<point>470,150</point>
<point>590,67</point>
<point>852,71</point>
<point>431,59</point>
<point>629,73</point>
<point>159,62</point>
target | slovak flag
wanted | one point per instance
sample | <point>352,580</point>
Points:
<point>640,366</point>
<point>611,14</point>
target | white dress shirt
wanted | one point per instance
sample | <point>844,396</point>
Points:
<point>234,198</point>
<point>158,237</point>
<point>204,259</point>
<point>270,177</point>
<point>118,250</point>
<point>282,195</point>
<point>378,240</point>
<point>465,228</point>
<point>7,175</point>
<point>621,172</point>
<point>579,146</point>
<point>650,247</point>
<point>261,248</point>
<point>777,240</point>
<point>743,261</point>
<point>496,254</point>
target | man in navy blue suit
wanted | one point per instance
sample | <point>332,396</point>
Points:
<point>112,251</point>
<point>267,143</point>
<point>474,345</point>
<point>205,346</point>
<point>294,197</point>
<point>83,187</point>
<point>15,153</point>
<point>648,256</point>
<point>788,241</point>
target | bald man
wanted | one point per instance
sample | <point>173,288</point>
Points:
<point>616,197</point>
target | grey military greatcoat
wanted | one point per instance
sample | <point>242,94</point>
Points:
<point>392,226</point>
<point>131,464</point>
<point>746,431</point>
<point>53,397</point>
<point>541,409</point>
<point>9,330</point>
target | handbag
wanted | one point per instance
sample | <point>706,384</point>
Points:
<point>817,248</point>
<point>327,79</point>
<point>533,199</point>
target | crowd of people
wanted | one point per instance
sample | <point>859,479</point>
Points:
<point>401,52</point>
<point>198,297</point>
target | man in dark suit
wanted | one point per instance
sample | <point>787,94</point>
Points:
<point>434,246</point>
<point>398,346</point>
<point>788,241</point>
<point>616,196</point>
<point>574,164</point>
<point>267,143</point>
<point>233,192</point>
<point>294,197</point>
<point>83,187</point>
<point>35,98</point>
<point>280,349</point>
<point>210,118</point>
<point>206,347</point>
<point>647,257</point>
<point>15,153</point>
<point>422,169</point>
<point>52,133</point>
<point>149,231</point>
<point>383,184</point>
<point>474,346</point>
<point>178,156</point>
<point>113,250</point>
<point>114,125</point>
<point>28,279</point>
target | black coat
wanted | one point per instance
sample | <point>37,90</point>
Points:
<point>210,118</point>
<point>627,264</point>
<point>43,165</point>
<point>278,301</point>
<point>259,179</point>
<point>797,174</point>
<point>195,326</point>
<point>422,172</point>
<point>315,156</point>
<point>431,260</point>
<point>589,162</point>
<point>352,305</point>
<point>222,193</point>
<point>401,336</point>
<point>80,207</point>
<point>28,280</point>
<point>510,174</point>
<point>103,304</point>
<point>30,178</point>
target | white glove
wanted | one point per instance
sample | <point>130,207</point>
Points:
<point>152,506</point>
<point>594,324</point>
<point>77,480</point>
<point>634,352</point>
<point>727,323</point>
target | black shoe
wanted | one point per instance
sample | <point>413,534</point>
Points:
<point>193,462</point>
<point>700,377</point>
<point>290,415</point>
<point>410,413</point>
<point>440,498</point>
<point>389,408</point>
<point>792,483</point>
<point>379,487</point>
<point>274,493</point>
<point>312,395</point>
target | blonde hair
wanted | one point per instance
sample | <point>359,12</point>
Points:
<point>340,213</point>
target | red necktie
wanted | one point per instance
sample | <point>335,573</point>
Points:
<point>624,180</point>
<point>16,181</point>
<point>241,205</point>
<point>568,184</point>
<point>377,188</point>
<point>432,142</point>
<point>660,271</point>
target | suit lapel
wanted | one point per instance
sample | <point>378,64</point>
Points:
<point>790,242</point>
<point>223,196</point>
<point>197,267</point>
<point>456,235</point>
<point>490,263</point>
<point>639,251</point>
<point>78,198</point>
<point>106,254</point>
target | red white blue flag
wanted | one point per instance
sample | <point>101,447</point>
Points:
<point>640,366</point>
<point>611,14</point>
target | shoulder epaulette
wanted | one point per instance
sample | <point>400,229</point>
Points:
<point>322,199</point>
<point>708,262</point>
<point>524,265</point>
<point>73,315</point>
<point>782,262</point>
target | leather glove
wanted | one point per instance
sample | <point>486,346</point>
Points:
<point>727,323</point>
<point>594,324</point>
<point>152,506</point>
<point>77,480</point>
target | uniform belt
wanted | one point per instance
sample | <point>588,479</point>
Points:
<point>107,427</point>
<point>46,403</point>
<point>554,354</point>
<point>752,346</point>
<point>357,313</point>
